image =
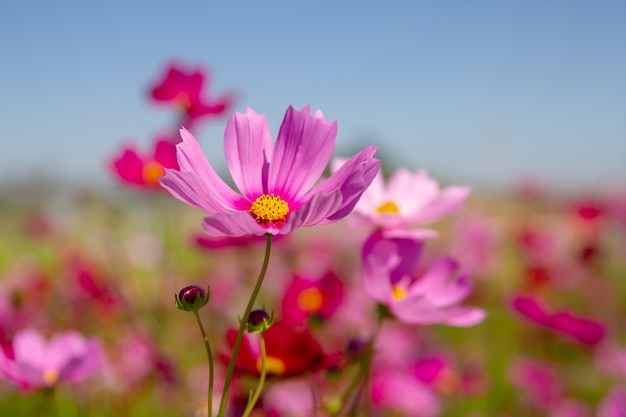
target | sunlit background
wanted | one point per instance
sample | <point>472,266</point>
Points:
<point>484,93</point>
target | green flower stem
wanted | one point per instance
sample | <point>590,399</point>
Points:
<point>362,381</point>
<point>242,326</point>
<point>207,345</point>
<point>259,387</point>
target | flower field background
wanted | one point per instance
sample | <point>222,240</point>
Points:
<point>423,300</point>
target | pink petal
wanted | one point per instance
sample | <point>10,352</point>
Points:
<point>303,148</point>
<point>248,149</point>
<point>448,201</point>
<point>352,179</point>
<point>189,188</point>
<point>233,224</point>
<point>315,211</point>
<point>191,159</point>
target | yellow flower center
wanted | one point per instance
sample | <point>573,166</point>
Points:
<point>151,172</point>
<point>182,99</point>
<point>310,299</point>
<point>388,208</point>
<point>398,292</point>
<point>50,376</point>
<point>269,209</point>
<point>273,365</point>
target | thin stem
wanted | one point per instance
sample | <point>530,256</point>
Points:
<point>259,387</point>
<point>207,345</point>
<point>242,326</point>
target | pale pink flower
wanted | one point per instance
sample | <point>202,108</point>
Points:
<point>407,199</point>
<point>430,298</point>
<point>35,363</point>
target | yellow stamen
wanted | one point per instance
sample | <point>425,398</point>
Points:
<point>388,208</point>
<point>273,365</point>
<point>269,209</point>
<point>151,172</point>
<point>398,292</point>
<point>50,376</point>
<point>310,299</point>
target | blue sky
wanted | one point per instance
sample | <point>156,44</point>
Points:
<point>476,92</point>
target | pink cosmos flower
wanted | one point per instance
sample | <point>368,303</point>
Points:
<point>430,298</point>
<point>397,390</point>
<point>275,180</point>
<point>184,89</point>
<point>614,404</point>
<point>34,363</point>
<point>584,330</point>
<point>406,200</point>
<point>144,171</point>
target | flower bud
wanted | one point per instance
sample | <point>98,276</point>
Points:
<point>192,298</point>
<point>259,321</point>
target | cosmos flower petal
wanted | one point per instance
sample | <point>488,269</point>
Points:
<point>188,188</point>
<point>191,159</point>
<point>303,148</point>
<point>412,311</point>
<point>248,149</point>
<point>352,179</point>
<point>436,277</point>
<point>234,224</point>
<point>315,211</point>
<point>450,200</point>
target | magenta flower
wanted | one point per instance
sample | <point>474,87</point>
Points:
<point>35,363</point>
<point>408,199</point>
<point>584,330</point>
<point>276,181</point>
<point>430,298</point>
<point>144,171</point>
<point>183,89</point>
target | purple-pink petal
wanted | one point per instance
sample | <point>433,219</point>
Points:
<point>450,200</point>
<point>234,224</point>
<point>314,212</point>
<point>303,148</point>
<point>248,151</point>
<point>192,160</point>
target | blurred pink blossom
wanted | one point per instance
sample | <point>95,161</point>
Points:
<point>431,298</point>
<point>406,200</point>
<point>584,330</point>
<point>34,363</point>
<point>184,89</point>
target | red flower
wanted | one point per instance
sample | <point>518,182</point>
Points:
<point>584,330</point>
<point>145,171</point>
<point>307,298</point>
<point>184,90</point>
<point>290,352</point>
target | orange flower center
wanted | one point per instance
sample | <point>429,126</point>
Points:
<point>269,209</point>
<point>388,208</point>
<point>273,365</point>
<point>310,299</point>
<point>50,376</point>
<point>398,293</point>
<point>151,172</point>
<point>182,99</point>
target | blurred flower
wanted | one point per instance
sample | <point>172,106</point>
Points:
<point>35,363</point>
<point>145,171</point>
<point>290,398</point>
<point>183,89</point>
<point>407,199</point>
<point>307,298</point>
<point>274,180</point>
<point>614,404</point>
<point>584,330</point>
<point>475,244</point>
<point>430,298</point>
<point>538,380</point>
<point>290,352</point>
<point>399,391</point>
